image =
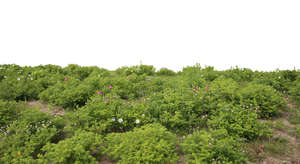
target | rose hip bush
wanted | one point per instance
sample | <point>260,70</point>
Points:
<point>267,101</point>
<point>70,93</point>
<point>239,122</point>
<point>295,90</point>
<point>23,138</point>
<point>151,143</point>
<point>9,111</point>
<point>109,113</point>
<point>137,114</point>
<point>81,148</point>
<point>19,87</point>
<point>213,147</point>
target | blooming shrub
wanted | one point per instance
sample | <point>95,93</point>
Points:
<point>149,144</point>
<point>138,110</point>
<point>77,149</point>
<point>279,80</point>
<point>24,138</point>
<point>19,87</point>
<point>213,147</point>
<point>265,98</point>
<point>239,122</point>
<point>115,115</point>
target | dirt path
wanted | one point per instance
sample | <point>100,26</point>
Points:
<point>294,143</point>
<point>53,110</point>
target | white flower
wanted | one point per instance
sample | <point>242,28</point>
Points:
<point>4,77</point>
<point>18,78</point>
<point>279,77</point>
<point>120,120</point>
<point>137,121</point>
<point>31,78</point>
<point>113,119</point>
<point>143,115</point>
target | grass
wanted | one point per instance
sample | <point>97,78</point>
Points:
<point>277,147</point>
<point>294,118</point>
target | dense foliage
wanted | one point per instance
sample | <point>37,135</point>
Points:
<point>137,114</point>
<point>149,144</point>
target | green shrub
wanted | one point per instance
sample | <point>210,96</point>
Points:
<point>224,89</point>
<point>214,147</point>
<point>175,110</point>
<point>149,144</point>
<point>267,101</point>
<point>279,80</point>
<point>195,72</point>
<point>165,72</point>
<point>239,122</point>
<point>24,138</point>
<point>109,113</point>
<point>19,87</point>
<point>68,94</point>
<point>78,149</point>
<point>9,111</point>
<point>138,70</point>
<point>239,74</point>
<point>78,72</point>
<point>295,90</point>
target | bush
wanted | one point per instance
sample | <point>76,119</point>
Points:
<point>195,72</point>
<point>239,74</point>
<point>68,94</point>
<point>24,138</point>
<point>239,122</point>
<point>213,147</point>
<point>149,144</point>
<point>138,70</point>
<point>174,110</point>
<point>19,87</point>
<point>265,98</point>
<point>295,90</point>
<point>78,72</point>
<point>224,89</point>
<point>9,111</point>
<point>109,113</point>
<point>78,149</point>
<point>165,72</point>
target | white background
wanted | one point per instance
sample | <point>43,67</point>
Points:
<point>258,34</point>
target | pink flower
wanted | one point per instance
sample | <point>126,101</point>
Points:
<point>110,87</point>
<point>66,79</point>
<point>207,86</point>
<point>107,100</point>
<point>99,93</point>
<point>289,105</point>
